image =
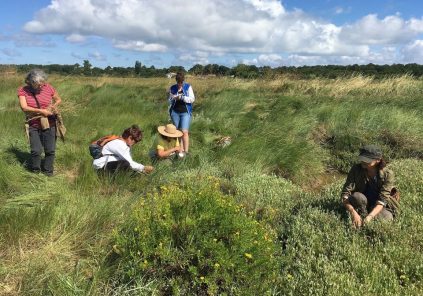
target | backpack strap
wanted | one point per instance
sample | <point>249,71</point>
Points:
<point>36,100</point>
<point>103,141</point>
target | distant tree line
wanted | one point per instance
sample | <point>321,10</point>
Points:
<point>241,70</point>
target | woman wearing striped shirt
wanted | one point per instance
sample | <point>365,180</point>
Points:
<point>39,101</point>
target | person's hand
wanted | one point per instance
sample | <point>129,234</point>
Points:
<point>46,112</point>
<point>357,221</point>
<point>148,169</point>
<point>368,219</point>
<point>53,109</point>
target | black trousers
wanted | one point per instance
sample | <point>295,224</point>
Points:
<point>117,166</point>
<point>40,140</point>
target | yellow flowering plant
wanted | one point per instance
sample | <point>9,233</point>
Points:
<point>203,243</point>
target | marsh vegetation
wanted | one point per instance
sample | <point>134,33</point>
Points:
<point>259,216</point>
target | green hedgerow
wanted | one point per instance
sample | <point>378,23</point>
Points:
<point>196,240</point>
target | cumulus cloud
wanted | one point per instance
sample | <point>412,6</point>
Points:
<point>273,60</point>
<point>97,56</point>
<point>270,59</point>
<point>413,53</point>
<point>274,8</point>
<point>389,30</point>
<point>214,26</point>
<point>140,46</point>
<point>76,38</point>
<point>262,27</point>
<point>197,57</point>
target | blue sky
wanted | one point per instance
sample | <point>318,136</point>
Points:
<point>228,32</point>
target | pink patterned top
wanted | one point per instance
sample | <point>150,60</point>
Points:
<point>44,97</point>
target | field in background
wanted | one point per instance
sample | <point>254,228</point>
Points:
<point>292,143</point>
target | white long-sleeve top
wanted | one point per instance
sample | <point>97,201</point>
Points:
<point>117,150</point>
<point>186,97</point>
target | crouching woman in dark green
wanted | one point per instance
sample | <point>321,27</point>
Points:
<point>367,190</point>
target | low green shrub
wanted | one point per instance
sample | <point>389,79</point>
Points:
<point>196,241</point>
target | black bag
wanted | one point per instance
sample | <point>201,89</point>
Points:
<point>96,147</point>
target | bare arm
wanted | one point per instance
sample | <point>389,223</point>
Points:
<point>376,210</point>
<point>26,108</point>
<point>161,153</point>
<point>355,217</point>
<point>56,100</point>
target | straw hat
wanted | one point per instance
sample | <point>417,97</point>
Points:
<point>169,130</point>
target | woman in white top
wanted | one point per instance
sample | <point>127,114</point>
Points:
<point>117,153</point>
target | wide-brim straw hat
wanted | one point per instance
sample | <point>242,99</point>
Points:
<point>169,130</point>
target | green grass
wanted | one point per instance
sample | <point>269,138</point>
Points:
<point>292,141</point>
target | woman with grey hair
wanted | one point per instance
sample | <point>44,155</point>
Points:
<point>39,101</point>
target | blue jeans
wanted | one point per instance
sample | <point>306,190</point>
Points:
<point>181,120</point>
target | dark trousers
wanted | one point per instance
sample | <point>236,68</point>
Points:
<point>360,203</point>
<point>39,140</point>
<point>117,166</point>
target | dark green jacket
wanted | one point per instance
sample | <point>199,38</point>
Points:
<point>357,182</point>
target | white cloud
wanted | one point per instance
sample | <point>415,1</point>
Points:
<point>273,8</point>
<point>220,25</point>
<point>197,57</point>
<point>413,53</point>
<point>390,30</point>
<point>139,46</point>
<point>189,27</point>
<point>76,38</point>
<point>385,55</point>
<point>249,61</point>
<point>98,56</point>
<point>270,58</point>
<point>273,60</point>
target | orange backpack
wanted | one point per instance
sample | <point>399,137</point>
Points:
<point>96,147</point>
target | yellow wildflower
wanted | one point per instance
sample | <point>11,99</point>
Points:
<point>248,255</point>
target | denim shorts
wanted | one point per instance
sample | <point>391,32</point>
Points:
<point>181,120</point>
